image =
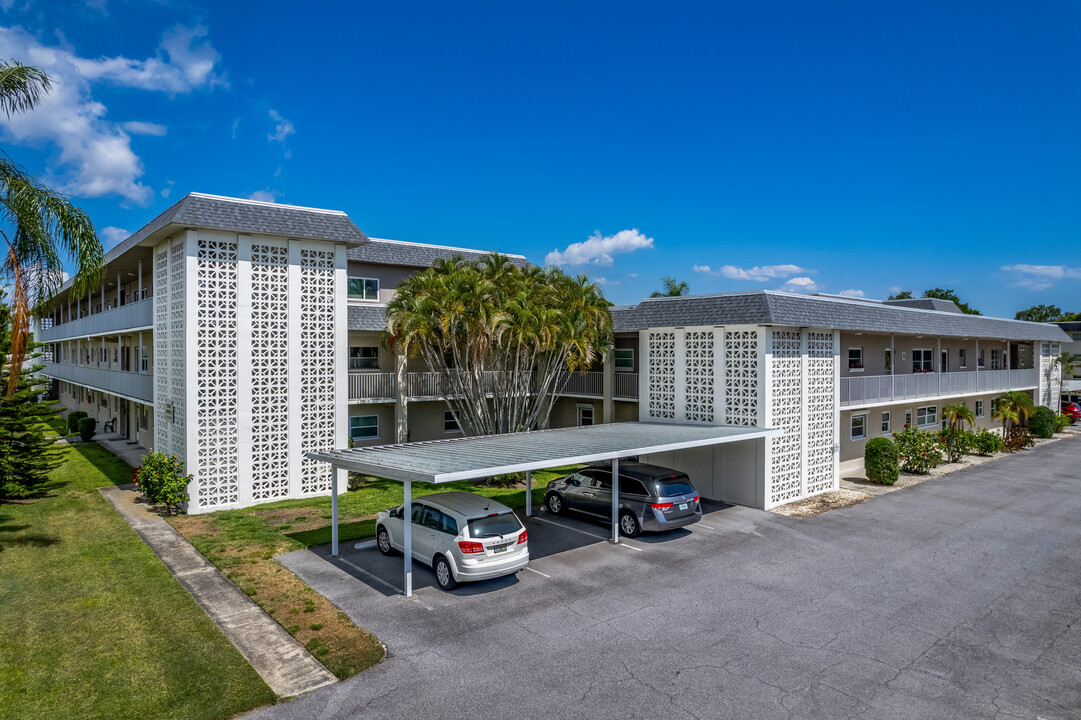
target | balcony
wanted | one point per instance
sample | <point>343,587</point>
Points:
<point>117,382</point>
<point>122,319</point>
<point>380,387</point>
<point>879,389</point>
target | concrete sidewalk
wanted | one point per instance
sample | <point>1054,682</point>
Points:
<point>281,661</point>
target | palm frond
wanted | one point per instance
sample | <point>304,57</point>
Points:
<point>21,86</point>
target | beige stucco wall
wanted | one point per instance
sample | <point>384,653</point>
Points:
<point>875,346</point>
<point>385,412</point>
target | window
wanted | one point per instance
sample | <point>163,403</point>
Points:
<point>450,422</point>
<point>102,400</point>
<point>979,408</point>
<point>624,358</point>
<point>994,407</point>
<point>585,414</point>
<point>364,427</point>
<point>144,417</point>
<point>859,427</point>
<point>927,415</point>
<point>888,361</point>
<point>631,486</point>
<point>996,354</point>
<point>144,361</point>
<point>962,362</point>
<point>855,358</point>
<point>908,418</point>
<point>364,358</point>
<point>363,288</point>
<point>979,359</point>
<point>885,423</point>
<point>922,361</point>
<point>945,361</point>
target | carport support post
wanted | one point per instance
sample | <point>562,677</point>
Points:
<point>334,511</point>
<point>407,522</point>
<point>528,493</point>
<point>615,500</point>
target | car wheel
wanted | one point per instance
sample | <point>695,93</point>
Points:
<point>382,540</point>
<point>443,575</point>
<point>628,525</point>
<point>555,504</point>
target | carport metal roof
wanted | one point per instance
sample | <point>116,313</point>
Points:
<point>468,458</point>
<point>471,458</point>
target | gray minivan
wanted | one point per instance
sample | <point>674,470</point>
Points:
<point>651,498</point>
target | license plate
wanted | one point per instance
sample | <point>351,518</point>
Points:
<point>500,548</point>
<point>683,506</point>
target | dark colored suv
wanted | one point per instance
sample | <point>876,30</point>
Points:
<point>651,498</point>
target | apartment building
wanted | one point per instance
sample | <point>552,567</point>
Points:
<point>829,372</point>
<point>242,335</point>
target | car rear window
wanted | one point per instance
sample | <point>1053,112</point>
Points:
<point>494,526</point>
<point>675,486</point>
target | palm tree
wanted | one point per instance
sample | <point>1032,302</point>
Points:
<point>1068,364</point>
<point>1013,407</point>
<point>501,337</point>
<point>40,227</point>
<point>672,288</point>
<point>956,416</point>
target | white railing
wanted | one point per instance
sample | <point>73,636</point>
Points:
<point>117,382</point>
<point>590,384</point>
<point>885,388</point>
<point>371,386</point>
<point>126,317</point>
<point>626,386</point>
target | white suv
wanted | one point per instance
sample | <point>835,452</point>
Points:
<point>463,536</point>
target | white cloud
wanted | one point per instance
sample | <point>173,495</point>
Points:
<point>632,275</point>
<point>800,284</point>
<point>1041,277</point>
<point>138,127</point>
<point>282,128</point>
<point>168,188</point>
<point>233,127</point>
<point>94,157</point>
<point>264,196</point>
<point>894,289</point>
<point>763,273</point>
<point>598,249</point>
<point>851,293</point>
<point>110,236</point>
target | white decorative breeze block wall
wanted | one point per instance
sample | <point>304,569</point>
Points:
<point>661,379</point>
<point>269,370</point>
<point>741,377</point>
<point>169,328</point>
<point>786,414</point>
<point>821,414</point>
<point>317,358</point>
<point>1050,372</point>
<point>701,370</point>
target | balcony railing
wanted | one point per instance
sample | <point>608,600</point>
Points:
<point>380,387</point>
<point>117,382</point>
<point>126,317</point>
<point>886,388</point>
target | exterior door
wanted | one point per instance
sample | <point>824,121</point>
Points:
<point>945,361</point>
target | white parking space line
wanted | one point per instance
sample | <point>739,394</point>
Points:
<point>368,575</point>
<point>538,572</point>
<point>621,543</point>
<point>364,545</point>
<point>707,527</point>
<point>568,527</point>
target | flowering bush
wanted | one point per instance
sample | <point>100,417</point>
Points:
<point>162,480</point>
<point>917,451</point>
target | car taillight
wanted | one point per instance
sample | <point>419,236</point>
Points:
<point>661,506</point>
<point>695,499</point>
<point>523,537</point>
<point>470,547</point>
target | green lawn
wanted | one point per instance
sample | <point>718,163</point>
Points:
<point>92,625</point>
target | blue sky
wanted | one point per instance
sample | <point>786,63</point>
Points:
<point>845,146</point>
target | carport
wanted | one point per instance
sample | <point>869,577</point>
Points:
<point>473,458</point>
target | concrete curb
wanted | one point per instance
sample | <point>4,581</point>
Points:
<point>279,659</point>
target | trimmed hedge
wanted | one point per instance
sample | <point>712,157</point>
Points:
<point>880,460</point>
<point>87,426</point>
<point>73,420</point>
<point>1042,422</point>
<point>987,442</point>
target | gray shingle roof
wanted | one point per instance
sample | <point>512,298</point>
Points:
<point>367,317</point>
<point>926,303</point>
<point>1070,326</point>
<point>767,307</point>
<point>379,251</point>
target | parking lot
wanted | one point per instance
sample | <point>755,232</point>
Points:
<point>955,598</point>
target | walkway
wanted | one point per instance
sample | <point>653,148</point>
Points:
<point>954,598</point>
<point>281,661</point>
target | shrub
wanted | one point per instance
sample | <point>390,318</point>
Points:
<point>73,420</point>
<point>162,480</point>
<point>1042,422</point>
<point>986,442</point>
<point>1018,438</point>
<point>880,460</point>
<point>1062,421</point>
<point>917,451</point>
<point>87,426</point>
<point>956,442</point>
